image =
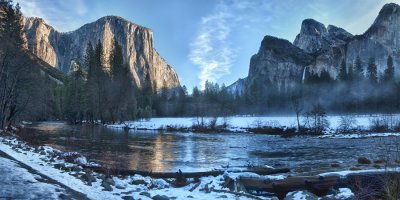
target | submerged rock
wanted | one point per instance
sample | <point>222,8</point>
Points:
<point>364,160</point>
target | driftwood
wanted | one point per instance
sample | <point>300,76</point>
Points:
<point>317,184</point>
<point>125,172</point>
<point>194,187</point>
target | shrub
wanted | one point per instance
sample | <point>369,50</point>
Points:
<point>379,124</point>
<point>346,124</point>
<point>315,121</point>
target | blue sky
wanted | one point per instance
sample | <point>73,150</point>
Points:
<point>210,39</point>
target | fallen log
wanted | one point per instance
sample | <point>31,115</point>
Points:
<point>126,172</point>
<point>318,185</point>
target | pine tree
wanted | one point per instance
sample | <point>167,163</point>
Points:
<point>389,71</point>
<point>343,71</point>
<point>10,23</point>
<point>74,98</point>
<point>91,84</point>
<point>358,69</point>
<point>121,91</point>
<point>372,71</point>
<point>147,97</point>
<point>350,73</point>
<point>20,79</point>
<point>118,70</point>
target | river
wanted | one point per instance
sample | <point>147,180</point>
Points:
<point>170,151</point>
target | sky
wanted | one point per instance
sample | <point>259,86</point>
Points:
<point>210,39</point>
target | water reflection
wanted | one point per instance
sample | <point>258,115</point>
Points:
<point>157,151</point>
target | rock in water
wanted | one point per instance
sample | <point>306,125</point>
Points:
<point>364,160</point>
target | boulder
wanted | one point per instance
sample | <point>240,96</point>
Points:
<point>106,186</point>
<point>88,178</point>
<point>160,197</point>
<point>364,160</point>
<point>303,195</point>
<point>146,194</point>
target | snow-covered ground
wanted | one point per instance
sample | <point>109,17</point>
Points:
<point>241,123</point>
<point>15,180</point>
<point>358,135</point>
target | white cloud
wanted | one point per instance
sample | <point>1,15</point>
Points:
<point>30,8</point>
<point>63,15</point>
<point>211,49</point>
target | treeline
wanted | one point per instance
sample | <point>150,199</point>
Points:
<point>214,100</point>
<point>25,93</point>
<point>355,90</point>
<point>103,93</point>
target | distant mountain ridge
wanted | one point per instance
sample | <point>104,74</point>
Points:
<point>318,48</point>
<point>63,51</point>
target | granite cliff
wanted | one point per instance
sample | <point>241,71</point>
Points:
<point>319,48</point>
<point>65,50</point>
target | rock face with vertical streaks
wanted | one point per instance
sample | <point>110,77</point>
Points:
<point>318,48</point>
<point>64,50</point>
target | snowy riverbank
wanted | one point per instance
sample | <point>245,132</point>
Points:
<point>53,163</point>
<point>355,123</point>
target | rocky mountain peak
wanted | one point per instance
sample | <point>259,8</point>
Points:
<point>281,48</point>
<point>312,27</point>
<point>315,37</point>
<point>338,33</point>
<point>386,24</point>
<point>388,10</point>
<point>311,36</point>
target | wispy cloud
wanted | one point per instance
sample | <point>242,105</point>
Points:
<point>59,14</point>
<point>211,49</point>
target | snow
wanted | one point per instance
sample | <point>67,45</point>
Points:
<point>358,135</point>
<point>344,193</point>
<point>15,180</point>
<point>298,195</point>
<point>241,123</point>
<point>36,161</point>
<point>236,176</point>
<point>348,172</point>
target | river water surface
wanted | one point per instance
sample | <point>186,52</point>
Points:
<point>170,151</point>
